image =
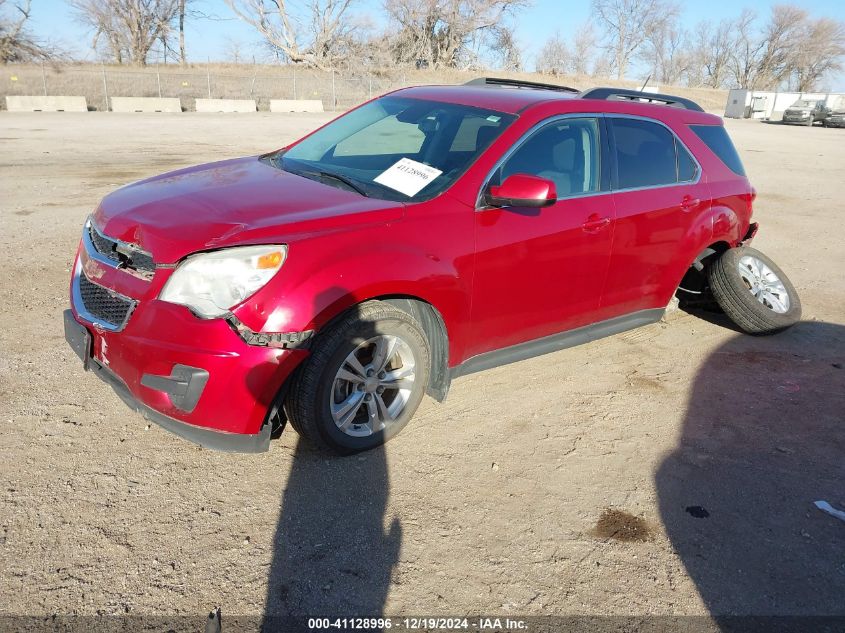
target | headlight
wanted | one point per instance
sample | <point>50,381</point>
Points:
<point>211,284</point>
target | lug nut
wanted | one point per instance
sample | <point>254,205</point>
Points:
<point>368,397</point>
<point>380,390</point>
<point>370,373</point>
<point>381,375</point>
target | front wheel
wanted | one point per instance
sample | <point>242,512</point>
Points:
<point>753,291</point>
<point>364,380</point>
<point>810,121</point>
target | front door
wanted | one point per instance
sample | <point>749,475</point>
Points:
<point>540,271</point>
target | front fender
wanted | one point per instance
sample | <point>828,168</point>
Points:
<point>324,276</point>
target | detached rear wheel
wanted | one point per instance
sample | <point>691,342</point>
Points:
<point>753,291</point>
<point>363,381</point>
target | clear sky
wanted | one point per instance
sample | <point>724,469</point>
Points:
<point>210,38</point>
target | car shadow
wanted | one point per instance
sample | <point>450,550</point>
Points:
<point>713,316</point>
<point>332,553</point>
<point>762,440</point>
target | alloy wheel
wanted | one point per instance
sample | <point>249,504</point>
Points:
<point>764,284</point>
<point>372,386</point>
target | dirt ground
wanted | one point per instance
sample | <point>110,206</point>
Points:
<point>708,447</point>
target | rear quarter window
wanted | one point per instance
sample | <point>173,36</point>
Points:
<point>717,139</point>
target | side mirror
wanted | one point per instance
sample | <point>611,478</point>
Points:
<point>522,190</point>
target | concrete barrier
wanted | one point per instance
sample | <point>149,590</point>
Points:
<point>46,104</point>
<point>226,105</point>
<point>296,105</point>
<point>145,104</point>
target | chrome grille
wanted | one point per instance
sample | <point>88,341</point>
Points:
<point>103,245</point>
<point>102,305</point>
<point>121,254</point>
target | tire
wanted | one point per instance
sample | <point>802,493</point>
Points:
<point>319,386</point>
<point>774,308</point>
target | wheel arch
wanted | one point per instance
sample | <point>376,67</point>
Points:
<point>714,249</point>
<point>434,327</point>
<point>438,339</point>
<point>694,281</point>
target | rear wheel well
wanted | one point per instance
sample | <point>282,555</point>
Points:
<point>693,289</point>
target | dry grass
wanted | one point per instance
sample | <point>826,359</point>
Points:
<point>265,82</point>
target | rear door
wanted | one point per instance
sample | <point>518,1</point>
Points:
<point>659,196</point>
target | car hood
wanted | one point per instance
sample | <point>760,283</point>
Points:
<point>239,201</point>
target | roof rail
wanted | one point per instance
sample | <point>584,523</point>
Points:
<point>518,83</point>
<point>626,94</point>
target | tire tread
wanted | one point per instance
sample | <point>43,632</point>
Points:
<point>730,293</point>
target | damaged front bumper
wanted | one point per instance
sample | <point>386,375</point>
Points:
<point>183,387</point>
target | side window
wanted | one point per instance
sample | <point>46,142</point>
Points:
<point>565,152</point>
<point>687,169</point>
<point>645,154</point>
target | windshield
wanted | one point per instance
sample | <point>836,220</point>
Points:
<point>396,148</point>
<point>803,103</point>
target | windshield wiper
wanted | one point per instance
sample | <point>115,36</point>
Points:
<point>343,179</point>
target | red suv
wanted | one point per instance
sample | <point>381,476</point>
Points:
<point>427,234</point>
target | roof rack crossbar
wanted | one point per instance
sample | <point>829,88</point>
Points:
<point>519,83</point>
<point>626,94</point>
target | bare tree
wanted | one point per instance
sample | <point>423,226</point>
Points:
<point>234,50</point>
<point>583,50</point>
<point>438,32</point>
<point>782,39</point>
<point>310,37</point>
<point>129,28</point>
<point>666,51</point>
<point>714,45</point>
<point>747,47</point>
<point>17,44</point>
<point>769,57</point>
<point>554,57</point>
<point>183,58</point>
<point>506,48</point>
<point>603,66</point>
<point>820,52</point>
<point>627,24</point>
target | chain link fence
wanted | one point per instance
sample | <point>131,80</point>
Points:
<point>338,90</point>
<point>98,84</point>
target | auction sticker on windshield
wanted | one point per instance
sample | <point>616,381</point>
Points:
<point>407,176</point>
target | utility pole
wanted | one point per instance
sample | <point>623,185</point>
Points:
<point>106,87</point>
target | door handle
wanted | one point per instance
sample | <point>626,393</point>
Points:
<point>595,223</point>
<point>689,203</point>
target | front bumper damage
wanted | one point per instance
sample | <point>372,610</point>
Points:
<point>203,379</point>
<point>78,338</point>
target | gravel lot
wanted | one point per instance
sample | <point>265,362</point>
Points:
<point>487,504</point>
